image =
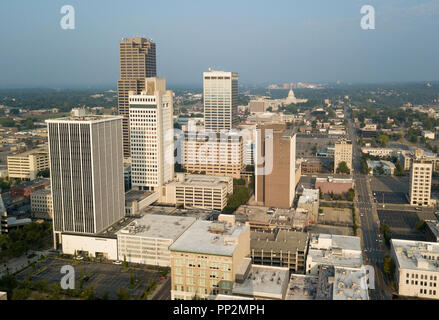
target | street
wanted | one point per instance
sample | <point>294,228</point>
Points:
<point>373,252</point>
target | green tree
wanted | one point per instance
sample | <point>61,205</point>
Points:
<point>351,195</point>
<point>123,294</point>
<point>44,173</point>
<point>420,225</point>
<point>20,294</point>
<point>383,140</point>
<point>389,266</point>
<point>343,168</point>
<point>399,170</point>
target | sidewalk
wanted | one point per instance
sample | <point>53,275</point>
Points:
<point>17,264</point>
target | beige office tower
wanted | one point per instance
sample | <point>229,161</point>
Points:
<point>275,165</point>
<point>137,62</point>
<point>343,152</point>
<point>420,181</point>
<point>220,100</point>
<point>86,171</point>
<point>152,135</point>
<point>214,154</point>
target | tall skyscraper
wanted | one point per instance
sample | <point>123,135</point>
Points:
<point>137,62</point>
<point>86,170</point>
<point>275,181</point>
<point>220,100</point>
<point>152,135</point>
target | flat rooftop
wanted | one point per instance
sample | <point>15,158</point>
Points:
<point>202,180</point>
<point>86,118</point>
<point>302,287</point>
<point>199,239</point>
<point>309,196</point>
<point>157,226</point>
<point>136,195</point>
<point>335,250</point>
<point>350,284</point>
<point>230,297</point>
<point>30,152</point>
<point>264,281</point>
<point>327,241</point>
<point>34,183</point>
<point>283,240</point>
<point>42,192</point>
<point>416,255</point>
<point>434,227</point>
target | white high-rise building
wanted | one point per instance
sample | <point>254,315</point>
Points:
<point>220,100</point>
<point>152,136</point>
<point>86,170</point>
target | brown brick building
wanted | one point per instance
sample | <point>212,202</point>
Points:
<point>275,176</point>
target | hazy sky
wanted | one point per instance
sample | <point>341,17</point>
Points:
<point>264,41</point>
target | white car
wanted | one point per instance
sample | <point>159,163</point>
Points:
<point>79,258</point>
<point>118,262</point>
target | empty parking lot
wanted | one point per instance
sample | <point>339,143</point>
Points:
<point>105,278</point>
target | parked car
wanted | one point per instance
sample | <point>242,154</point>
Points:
<point>118,262</point>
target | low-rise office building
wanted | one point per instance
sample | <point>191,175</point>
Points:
<point>310,200</point>
<point>26,188</point>
<point>432,231</point>
<point>137,200</point>
<point>207,257</point>
<point>41,204</point>
<point>147,240</point>
<point>198,191</point>
<point>334,185</point>
<point>263,283</point>
<point>379,168</point>
<point>333,250</point>
<point>417,268</point>
<point>214,154</point>
<point>26,165</point>
<point>428,135</point>
<point>378,152</point>
<point>338,283</point>
<point>94,246</point>
<point>281,248</point>
<point>311,166</point>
